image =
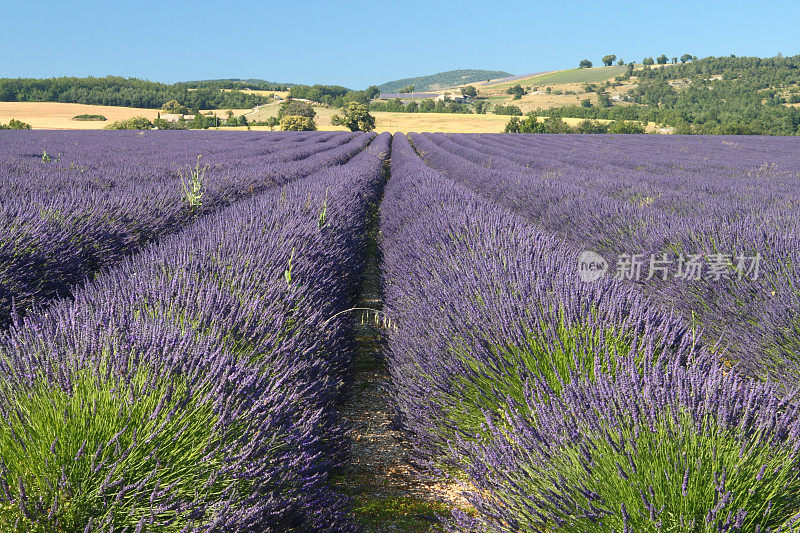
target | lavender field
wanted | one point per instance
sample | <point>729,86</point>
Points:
<point>578,332</point>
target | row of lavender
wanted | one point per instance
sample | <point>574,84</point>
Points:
<point>72,204</point>
<point>191,387</point>
<point>566,405</point>
<point>731,202</point>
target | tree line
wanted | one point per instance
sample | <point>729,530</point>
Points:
<point>333,95</point>
<point>127,92</point>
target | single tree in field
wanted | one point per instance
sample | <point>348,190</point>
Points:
<point>470,91</point>
<point>585,63</point>
<point>662,59</point>
<point>686,57</point>
<point>407,89</point>
<point>609,60</point>
<point>674,60</point>
<point>648,61</point>
<point>296,108</point>
<point>620,62</point>
<point>356,118</point>
<point>516,90</point>
<point>298,123</point>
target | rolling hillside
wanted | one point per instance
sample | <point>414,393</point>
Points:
<point>451,78</point>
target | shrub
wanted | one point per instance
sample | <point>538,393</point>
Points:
<point>507,110</point>
<point>591,126</point>
<point>298,123</point>
<point>15,124</point>
<point>527,125</point>
<point>135,123</point>
<point>516,90</point>
<point>89,117</point>
<point>164,124</point>
<point>100,433</point>
<point>625,126</point>
<point>668,449</point>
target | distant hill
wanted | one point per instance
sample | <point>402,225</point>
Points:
<point>442,80</point>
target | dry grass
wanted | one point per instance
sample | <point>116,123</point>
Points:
<point>405,122</point>
<point>51,115</point>
<point>54,115</point>
<point>537,98</point>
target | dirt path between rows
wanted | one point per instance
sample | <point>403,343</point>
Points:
<point>389,494</point>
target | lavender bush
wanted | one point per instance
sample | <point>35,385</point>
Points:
<point>669,449</point>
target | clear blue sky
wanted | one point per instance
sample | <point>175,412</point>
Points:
<point>356,43</point>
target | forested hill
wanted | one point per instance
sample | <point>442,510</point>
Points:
<point>722,95</point>
<point>441,80</point>
<point>129,92</point>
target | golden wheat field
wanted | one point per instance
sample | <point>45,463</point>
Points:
<point>54,115</point>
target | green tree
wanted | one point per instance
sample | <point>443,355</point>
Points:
<point>516,90</point>
<point>674,60</point>
<point>662,59</point>
<point>686,57</point>
<point>427,105</point>
<point>529,124</point>
<point>609,60</point>
<point>620,62</point>
<point>585,63</point>
<point>591,126</point>
<point>356,117</point>
<point>173,106</point>
<point>296,108</point>
<point>586,103</point>
<point>272,122</point>
<point>135,123</point>
<point>412,107</point>
<point>603,100</point>
<point>507,110</point>
<point>480,108</point>
<point>407,89</point>
<point>470,91</point>
<point>372,91</point>
<point>648,61</point>
<point>625,126</point>
<point>297,123</point>
<point>15,124</point>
